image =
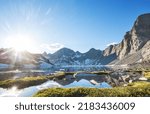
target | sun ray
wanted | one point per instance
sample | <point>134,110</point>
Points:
<point>20,43</point>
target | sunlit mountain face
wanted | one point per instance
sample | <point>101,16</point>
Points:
<point>19,58</point>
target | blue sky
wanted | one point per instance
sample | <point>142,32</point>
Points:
<point>76,24</point>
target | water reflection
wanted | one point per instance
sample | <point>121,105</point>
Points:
<point>86,83</point>
<point>30,91</point>
<point>27,92</point>
<point>12,92</point>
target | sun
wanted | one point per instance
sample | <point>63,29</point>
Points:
<point>20,43</point>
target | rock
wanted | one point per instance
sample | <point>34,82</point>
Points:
<point>130,81</point>
<point>134,44</point>
<point>143,79</point>
<point>119,77</point>
<point>94,82</point>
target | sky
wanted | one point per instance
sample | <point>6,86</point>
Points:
<point>48,25</point>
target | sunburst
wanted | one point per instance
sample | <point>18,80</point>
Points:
<point>21,43</point>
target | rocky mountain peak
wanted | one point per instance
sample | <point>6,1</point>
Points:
<point>78,53</point>
<point>45,54</point>
<point>65,50</point>
<point>142,21</point>
<point>93,50</point>
<point>134,40</point>
<point>141,30</point>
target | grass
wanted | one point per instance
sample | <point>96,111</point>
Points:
<point>23,82</point>
<point>133,89</point>
<point>136,89</point>
<point>139,84</point>
<point>32,81</point>
<point>29,81</point>
<point>147,74</point>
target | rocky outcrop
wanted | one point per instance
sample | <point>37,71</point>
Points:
<point>137,37</point>
<point>134,46</point>
<point>145,53</point>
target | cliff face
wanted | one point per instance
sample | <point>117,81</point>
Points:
<point>134,42</point>
<point>145,52</point>
<point>137,37</point>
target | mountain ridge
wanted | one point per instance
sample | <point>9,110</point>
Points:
<point>132,49</point>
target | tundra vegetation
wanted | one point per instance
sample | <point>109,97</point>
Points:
<point>134,89</point>
<point>30,81</point>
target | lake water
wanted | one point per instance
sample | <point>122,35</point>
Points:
<point>30,91</point>
<point>13,74</point>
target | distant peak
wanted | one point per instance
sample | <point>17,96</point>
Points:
<point>44,53</point>
<point>78,52</point>
<point>66,49</point>
<point>93,49</point>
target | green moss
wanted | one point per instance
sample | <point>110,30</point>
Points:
<point>29,81</point>
<point>23,82</point>
<point>139,84</point>
<point>147,74</point>
<point>134,90</point>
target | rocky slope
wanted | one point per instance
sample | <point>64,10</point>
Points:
<point>135,45</point>
<point>18,59</point>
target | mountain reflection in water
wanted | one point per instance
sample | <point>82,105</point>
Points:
<point>30,91</point>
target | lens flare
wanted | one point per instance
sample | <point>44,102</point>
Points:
<point>20,43</point>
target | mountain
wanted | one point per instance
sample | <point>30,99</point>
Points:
<point>132,49</point>
<point>67,56</point>
<point>18,59</point>
<point>135,43</point>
